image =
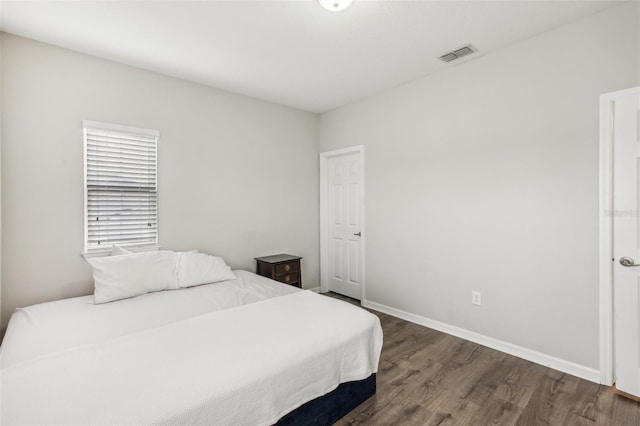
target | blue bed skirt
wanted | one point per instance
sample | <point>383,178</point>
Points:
<point>331,407</point>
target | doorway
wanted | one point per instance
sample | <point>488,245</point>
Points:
<point>620,240</point>
<point>342,235</point>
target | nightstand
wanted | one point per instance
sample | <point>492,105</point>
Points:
<point>281,267</point>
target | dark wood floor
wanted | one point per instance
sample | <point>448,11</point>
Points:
<point>427,377</point>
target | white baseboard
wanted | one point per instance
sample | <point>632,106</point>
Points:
<point>314,289</point>
<point>565,366</point>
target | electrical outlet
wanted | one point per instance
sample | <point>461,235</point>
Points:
<point>476,298</point>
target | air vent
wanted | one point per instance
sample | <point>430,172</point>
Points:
<point>448,57</point>
<point>457,53</point>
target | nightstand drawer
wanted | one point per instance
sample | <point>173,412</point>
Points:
<point>291,278</point>
<point>285,268</point>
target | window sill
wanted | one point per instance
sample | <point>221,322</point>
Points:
<point>107,251</point>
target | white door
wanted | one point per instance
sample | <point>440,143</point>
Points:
<point>626,240</point>
<point>344,199</point>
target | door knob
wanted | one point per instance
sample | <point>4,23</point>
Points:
<point>358,234</point>
<point>628,262</point>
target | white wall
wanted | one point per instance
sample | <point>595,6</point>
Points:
<point>485,177</point>
<point>237,176</point>
<point>1,328</point>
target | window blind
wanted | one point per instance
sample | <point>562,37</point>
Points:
<point>121,191</point>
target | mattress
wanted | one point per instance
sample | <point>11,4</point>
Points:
<point>248,357</point>
<point>50,327</point>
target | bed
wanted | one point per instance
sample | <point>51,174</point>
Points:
<point>245,351</point>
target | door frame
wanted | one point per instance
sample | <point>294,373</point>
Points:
<point>606,215</point>
<point>324,227</point>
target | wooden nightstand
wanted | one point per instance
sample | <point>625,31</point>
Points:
<point>281,267</point>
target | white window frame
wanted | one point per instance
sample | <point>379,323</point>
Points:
<point>90,251</point>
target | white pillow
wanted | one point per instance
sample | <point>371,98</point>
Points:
<point>119,277</point>
<point>117,251</point>
<point>200,268</point>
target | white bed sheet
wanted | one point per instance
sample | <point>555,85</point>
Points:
<point>243,366</point>
<point>50,327</point>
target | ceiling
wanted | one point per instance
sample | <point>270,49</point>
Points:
<point>293,52</point>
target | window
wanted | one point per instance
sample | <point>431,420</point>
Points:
<point>121,191</point>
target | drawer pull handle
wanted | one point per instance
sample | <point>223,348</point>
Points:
<point>287,268</point>
<point>287,278</point>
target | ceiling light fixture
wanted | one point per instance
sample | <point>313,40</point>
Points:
<point>335,5</point>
